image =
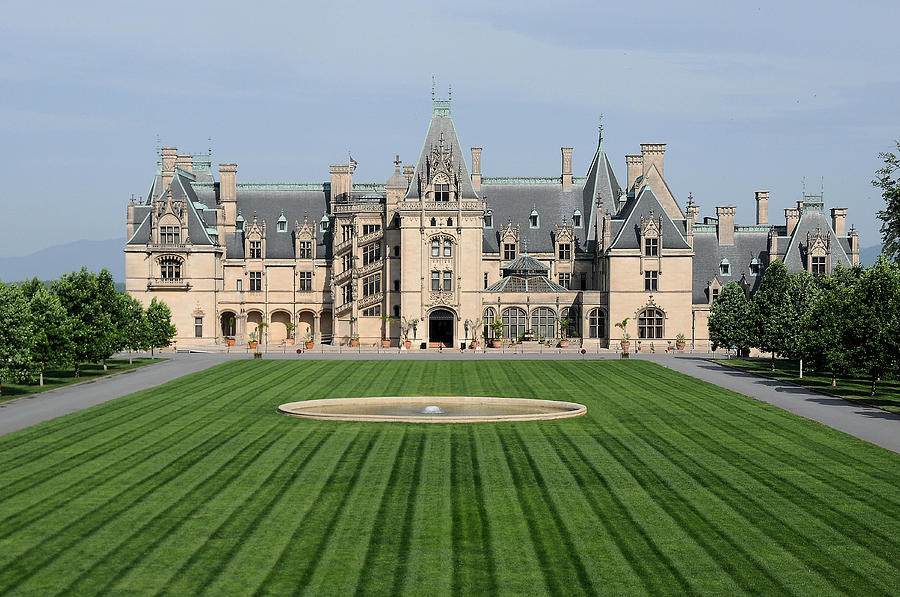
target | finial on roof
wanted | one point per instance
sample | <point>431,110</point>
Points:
<point>157,144</point>
<point>600,128</point>
<point>690,199</point>
<point>449,92</point>
<point>209,147</point>
<point>131,201</point>
<point>397,162</point>
<point>432,87</point>
<point>525,246</point>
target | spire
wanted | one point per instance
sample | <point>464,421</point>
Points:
<point>440,107</point>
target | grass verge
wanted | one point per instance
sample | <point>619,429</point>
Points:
<point>57,378</point>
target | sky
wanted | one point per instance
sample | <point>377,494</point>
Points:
<point>748,96</point>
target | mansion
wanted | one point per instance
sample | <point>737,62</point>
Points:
<point>444,246</point>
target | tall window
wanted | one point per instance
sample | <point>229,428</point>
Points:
<point>304,282</point>
<point>370,228</point>
<point>255,281</point>
<point>818,266</point>
<point>754,267</point>
<point>372,285</point>
<point>347,293</point>
<point>485,279</point>
<point>509,251</point>
<point>651,246</point>
<point>198,327</point>
<point>565,251</point>
<point>597,323</point>
<point>565,280</point>
<point>170,268</point>
<point>514,322</point>
<point>436,281</point>
<point>435,247</point>
<point>489,315</point>
<point>448,281</point>
<point>170,235</point>
<point>372,311</point>
<point>347,261</point>
<point>346,232</point>
<point>255,249</point>
<point>396,310</point>
<point>371,253</point>
<point>651,281</point>
<point>396,285</point>
<point>448,248</point>
<point>650,324</point>
<point>305,249</point>
<point>543,322</point>
<point>573,314</point>
<point>442,192</point>
<point>239,285</point>
<point>715,294</point>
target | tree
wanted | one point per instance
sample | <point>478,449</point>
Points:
<point>769,319</point>
<point>134,333</point>
<point>16,336</point>
<point>728,317</point>
<point>158,325</point>
<point>886,179</point>
<point>92,325</point>
<point>803,293</point>
<point>826,327</point>
<point>111,303</point>
<point>874,321</point>
<point>52,329</point>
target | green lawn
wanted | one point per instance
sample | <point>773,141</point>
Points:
<point>667,486</point>
<point>887,392</point>
<point>57,378</point>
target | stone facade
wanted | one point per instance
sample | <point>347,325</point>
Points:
<point>454,250</point>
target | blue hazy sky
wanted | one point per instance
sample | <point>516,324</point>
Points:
<point>748,96</point>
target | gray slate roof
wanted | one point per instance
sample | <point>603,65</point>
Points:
<point>708,255</point>
<point>811,221</point>
<point>442,123</point>
<point>627,234</point>
<point>525,284</point>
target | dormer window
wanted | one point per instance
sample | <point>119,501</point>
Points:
<point>281,226</point>
<point>170,235</point>
<point>576,218</point>
<point>651,246</point>
<point>818,266</point>
<point>442,192</point>
<point>754,267</point>
<point>488,219</point>
<point>323,223</point>
<point>724,268</point>
<point>534,220</point>
<point>255,249</point>
<point>239,222</point>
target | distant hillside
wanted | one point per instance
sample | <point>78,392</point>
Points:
<point>868,255</point>
<point>52,262</point>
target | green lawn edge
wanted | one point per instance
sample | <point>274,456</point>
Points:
<point>55,379</point>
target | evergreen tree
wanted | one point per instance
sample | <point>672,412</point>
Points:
<point>158,325</point>
<point>52,329</point>
<point>92,325</point>
<point>16,336</point>
<point>769,320</point>
<point>886,179</point>
<point>728,317</point>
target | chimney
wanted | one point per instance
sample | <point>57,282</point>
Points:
<point>854,246</point>
<point>340,181</point>
<point>791,217</point>
<point>566,168</point>
<point>185,162</point>
<point>839,220</point>
<point>652,154</point>
<point>408,172</point>
<point>228,192</point>
<point>691,213</point>
<point>773,246</point>
<point>725,227</point>
<point>762,207</point>
<point>633,163</point>
<point>129,219</point>
<point>169,154</point>
<point>476,168</point>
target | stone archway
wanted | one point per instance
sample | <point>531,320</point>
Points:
<point>278,327</point>
<point>306,324</point>
<point>228,324</point>
<point>440,328</point>
<point>325,326</point>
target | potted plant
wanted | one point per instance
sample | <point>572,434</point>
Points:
<point>497,329</point>
<point>354,338</point>
<point>261,328</point>
<point>385,337</point>
<point>679,341</point>
<point>289,328</point>
<point>309,340</point>
<point>563,331</point>
<point>254,339</point>
<point>476,327</point>
<point>229,341</point>
<point>626,337</point>
<point>406,325</point>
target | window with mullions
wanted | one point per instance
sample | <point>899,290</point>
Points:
<point>372,311</point>
<point>347,293</point>
<point>818,266</point>
<point>448,281</point>
<point>371,253</point>
<point>488,316</point>
<point>198,327</point>
<point>448,248</point>
<point>573,315</point>
<point>305,249</point>
<point>370,228</point>
<point>436,281</point>
<point>509,251</point>
<point>543,322</point>
<point>304,281</point>
<point>281,226</point>
<point>725,268</point>
<point>435,247</point>
<point>565,280</point>
<point>442,192</point>
<point>255,249</point>
<point>346,232</point>
<point>651,246</point>
<point>565,251</point>
<point>651,281</point>
<point>597,323</point>
<point>255,281</point>
<point>170,235</point>
<point>650,324</point>
<point>170,268</point>
<point>514,322</point>
<point>372,285</point>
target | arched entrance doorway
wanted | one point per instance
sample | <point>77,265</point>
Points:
<point>229,324</point>
<point>440,327</point>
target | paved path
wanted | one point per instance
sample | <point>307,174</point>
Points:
<point>870,424</point>
<point>30,410</point>
<point>873,425</point>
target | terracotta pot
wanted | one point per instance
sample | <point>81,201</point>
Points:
<point>354,343</point>
<point>229,341</point>
<point>309,345</point>
<point>290,340</point>
<point>679,344</point>
<point>626,346</point>
<point>496,343</point>
<point>563,343</point>
<point>385,343</point>
<point>473,344</point>
<point>253,345</point>
<point>407,344</point>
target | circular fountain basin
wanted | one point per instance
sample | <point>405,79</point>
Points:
<point>432,409</point>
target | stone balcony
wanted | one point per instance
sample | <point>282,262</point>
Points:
<point>168,284</point>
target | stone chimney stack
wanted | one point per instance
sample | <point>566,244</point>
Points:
<point>476,169</point>
<point>408,172</point>
<point>652,154</point>
<point>228,193</point>
<point>566,168</point>
<point>691,213</point>
<point>633,163</point>
<point>340,181</point>
<point>725,227</point>
<point>169,155</point>
<point>854,246</point>
<point>791,217</point>
<point>129,219</point>
<point>773,246</point>
<point>762,207</point>
<point>185,162</point>
<point>839,220</point>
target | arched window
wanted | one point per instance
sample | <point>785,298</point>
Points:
<point>514,322</point>
<point>433,222</point>
<point>449,221</point>
<point>170,268</point>
<point>543,322</point>
<point>597,323</point>
<point>448,247</point>
<point>573,314</point>
<point>435,247</point>
<point>650,323</point>
<point>488,316</point>
<point>576,218</point>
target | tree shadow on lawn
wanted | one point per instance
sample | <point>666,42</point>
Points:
<point>57,378</point>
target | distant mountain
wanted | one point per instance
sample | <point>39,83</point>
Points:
<point>868,255</point>
<point>52,262</point>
